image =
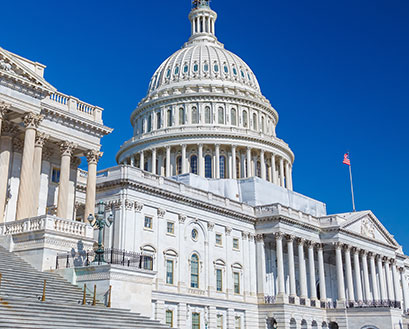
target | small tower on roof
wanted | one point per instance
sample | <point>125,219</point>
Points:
<point>203,19</point>
<point>200,3</point>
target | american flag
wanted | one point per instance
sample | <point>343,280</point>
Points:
<point>346,161</point>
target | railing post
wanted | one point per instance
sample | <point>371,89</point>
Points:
<point>68,261</point>
<point>123,257</point>
<point>56,263</point>
<point>109,296</point>
<point>112,253</point>
<point>84,296</point>
<point>94,299</point>
<point>43,297</point>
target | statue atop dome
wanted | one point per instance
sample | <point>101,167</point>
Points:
<point>200,3</point>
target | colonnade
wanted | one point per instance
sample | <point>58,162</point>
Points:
<point>215,161</point>
<point>363,278</point>
<point>31,163</point>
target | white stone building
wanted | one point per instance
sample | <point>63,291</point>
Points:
<point>205,188</point>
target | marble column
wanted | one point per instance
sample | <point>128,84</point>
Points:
<point>321,268</point>
<point>357,271</point>
<point>261,264</point>
<point>391,295</point>
<point>154,161</point>
<point>25,189</point>
<point>93,157</point>
<point>66,149</point>
<point>340,273</point>
<point>217,162</point>
<point>311,263</point>
<point>249,172</point>
<point>168,169</point>
<point>287,175</point>
<point>142,160</point>
<point>364,261</point>
<point>348,271</point>
<point>200,162</point>
<point>382,283</point>
<point>263,165</point>
<point>234,164</point>
<point>290,177</point>
<point>302,269</point>
<point>375,290</point>
<point>405,290</point>
<point>5,155</point>
<point>273,168</point>
<point>280,263</point>
<point>184,167</point>
<point>282,172</point>
<point>291,265</point>
<point>38,157</point>
<point>396,283</point>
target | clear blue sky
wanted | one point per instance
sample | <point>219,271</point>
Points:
<point>336,71</point>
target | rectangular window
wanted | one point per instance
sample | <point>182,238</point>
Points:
<point>148,222</point>
<point>55,176</point>
<point>169,271</point>
<point>195,320</point>
<point>219,280</point>
<point>236,243</point>
<point>237,322</point>
<point>219,321</point>
<point>147,262</point>
<point>158,120</point>
<point>170,228</point>
<point>169,318</point>
<point>236,278</point>
<point>219,240</point>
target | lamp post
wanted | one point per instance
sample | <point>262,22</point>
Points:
<point>100,222</point>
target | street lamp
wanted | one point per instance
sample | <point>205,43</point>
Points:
<point>100,222</point>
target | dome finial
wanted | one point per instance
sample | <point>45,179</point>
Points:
<point>203,20</point>
<point>200,3</point>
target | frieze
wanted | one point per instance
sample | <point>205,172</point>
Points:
<point>367,228</point>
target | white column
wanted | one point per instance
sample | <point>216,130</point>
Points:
<point>200,163</point>
<point>249,172</point>
<point>141,161</point>
<point>391,295</point>
<point>154,161</point>
<point>396,283</point>
<point>5,155</point>
<point>4,109</point>
<point>93,157</point>
<point>287,175</point>
<point>340,272</point>
<point>382,281</point>
<point>168,171</point>
<point>234,164</point>
<point>184,167</point>
<point>273,168</point>
<point>290,177</point>
<point>217,162</point>
<point>302,269</point>
<point>404,290</point>
<point>280,263</point>
<point>261,264</point>
<point>311,262</point>
<point>323,289</point>
<point>375,290</point>
<point>348,270</point>
<point>282,172</point>
<point>263,165</point>
<point>357,271</point>
<point>291,265</point>
<point>364,261</point>
<point>37,161</point>
<point>66,149</point>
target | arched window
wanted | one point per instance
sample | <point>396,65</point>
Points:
<point>262,124</point>
<point>185,68</point>
<point>216,67</point>
<point>314,325</point>
<point>193,164</point>
<point>176,70</point>
<point>293,324</point>
<point>254,121</point>
<point>195,115</point>
<point>222,165</point>
<point>208,166</point>
<point>195,67</point>
<point>304,324</point>
<point>149,123</point>
<point>158,120</point>
<point>182,116</point>
<point>179,165</point>
<point>169,118</point>
<point>194,271</point>
<point>206,67</point>
<point>238,167</point>
<point>233,114</point>
<point>207,115</point>
<point>245,119</point>
<point>258,170</point>
<point>220,115</point>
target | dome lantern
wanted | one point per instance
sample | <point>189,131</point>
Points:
<point>202,19</point>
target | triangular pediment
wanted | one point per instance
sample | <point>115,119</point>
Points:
<point>365,224</point>
<point>13,68</point>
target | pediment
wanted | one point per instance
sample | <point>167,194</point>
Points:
<point>14,69</point>
<point>366,224</point>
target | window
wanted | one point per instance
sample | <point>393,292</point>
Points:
<point>195,67</point>
<point>242,73</point>
<point>206,67</point>
<point>147,262</point>
<point>195,320</point>
<point>226,69</point>
<point>254,121</point>
<point>216,68</point>
<point>219,240</point>
<point>194,271</point>
<point>169,118</point>
<point>176,70</point>
<point>148,222</point>
<point>207,115</point>
<point>181,116</point>
<point>219,321</point>
<point>262,124</point>
<point>236,243</point>
<point>258,169</point>
<point>169,271</point>
<point>236,280</point>
<point>233,115</point>
<point>55,176</point>
<point>158,120</point>
<point>238,164</point>
<point>237,322</point>
<point>146,166</point>
<point>245,119</point>
<point>186,68</point>
<point>169,318</point>
<point>168,73</point>
<point>220,115</point>
<point>195,234</point>
<point>208,166</point>
<point>179,165</point>
<point>222,165</point>
<point>149,123</point>
<point>193,164</point>
<point>234,71</point>
<point>219,279</point>
<point>195,115</point>
<point>170,227</point>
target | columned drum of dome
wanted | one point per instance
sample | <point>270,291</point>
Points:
<point>205,114</point>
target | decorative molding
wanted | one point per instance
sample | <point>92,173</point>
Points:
<point>67,148</point>
<point>228,230</point>
<point>138,206</point>
<point>41,138</point>
<point>182,218</point>
<point>93,156</point>
<point>367,228</point>
<point>161,212</point>
<point>128,204</point>
<point>210,226</point>
<point>32,120</point>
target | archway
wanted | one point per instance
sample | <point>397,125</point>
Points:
<point>333,325</point>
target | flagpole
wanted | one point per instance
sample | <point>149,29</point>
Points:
<point>352,188</point>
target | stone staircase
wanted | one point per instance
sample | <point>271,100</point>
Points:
<point>21,289</point>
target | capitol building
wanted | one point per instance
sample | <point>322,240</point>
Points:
<point>203,190</point>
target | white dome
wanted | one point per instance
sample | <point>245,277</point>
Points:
<point>197,62</point>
